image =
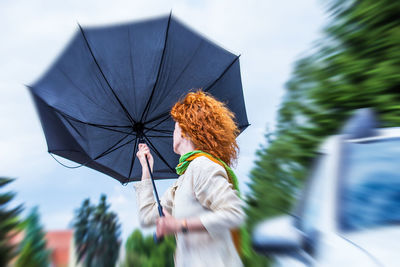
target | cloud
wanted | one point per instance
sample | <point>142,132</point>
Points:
<point>56,220</point>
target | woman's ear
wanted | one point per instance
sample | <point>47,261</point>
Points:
<point>185,136</point>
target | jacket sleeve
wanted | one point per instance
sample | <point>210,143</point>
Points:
<point>147,205</point>
<point>215,193</point>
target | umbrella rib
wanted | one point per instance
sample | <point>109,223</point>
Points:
<point>102,126</point>
<point>88,123</point>
<point>163,131</point>
<point>184,69</point>
<point>115,148</point>
<point>102,73</point>
<point>188,63</point>
<point>73,126</point>
<point>150,129</point>
<point>82,91</point>
<point>160,136</point>
<point>158,117</point>
<point>130,62</point>
<point>133,158</point>
<point>159,70</point>
<point>205,90</point>
<point>158,153</point>
<point>93,124</point>
<point>108,149</point>
<point>222,74</point>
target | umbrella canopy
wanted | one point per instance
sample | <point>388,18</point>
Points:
<point>113,86</point>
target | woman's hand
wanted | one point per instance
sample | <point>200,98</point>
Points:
<point>167,225</point>
<point>142,153</point>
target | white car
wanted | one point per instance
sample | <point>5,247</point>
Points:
<point>349,211</point>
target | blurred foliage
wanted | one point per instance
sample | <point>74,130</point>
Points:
<point>33,251</point>
<point>248,256</point>
<point>96,234</point>
<point>142,251</point>
<point>8,223</point>
<point>355,65</point>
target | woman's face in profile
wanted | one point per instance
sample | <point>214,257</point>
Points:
<point>177,137</point>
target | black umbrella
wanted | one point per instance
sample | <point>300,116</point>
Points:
<point>114,86</point>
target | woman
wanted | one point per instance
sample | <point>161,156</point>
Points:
<point>202,208</point>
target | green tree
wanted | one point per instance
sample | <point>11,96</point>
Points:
<point>8,223</point>
<point>354,65</point>
<point>97,234</point>
<point>82,239</point>
<point>142,251</point>
<point>33,251</point>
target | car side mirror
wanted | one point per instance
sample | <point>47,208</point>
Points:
<point>276,236</point>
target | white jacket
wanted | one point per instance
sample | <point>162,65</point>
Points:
<point>203,191</point>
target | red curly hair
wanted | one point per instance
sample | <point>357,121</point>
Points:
<point>209,124</point>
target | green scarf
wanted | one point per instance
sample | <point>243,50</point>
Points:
<point>185,160</point>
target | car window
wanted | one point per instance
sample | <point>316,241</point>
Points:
<point>370,187</point>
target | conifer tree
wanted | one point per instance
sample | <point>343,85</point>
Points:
<point>8,223</point>
<point>33,251</point>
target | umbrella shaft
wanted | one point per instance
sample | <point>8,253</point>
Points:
<point>160,212</point>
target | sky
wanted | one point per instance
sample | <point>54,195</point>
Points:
<point>269,36</point>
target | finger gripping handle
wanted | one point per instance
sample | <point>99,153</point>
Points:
<point>158,240</point>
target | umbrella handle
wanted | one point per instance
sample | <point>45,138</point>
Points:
<point>157,239</point>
